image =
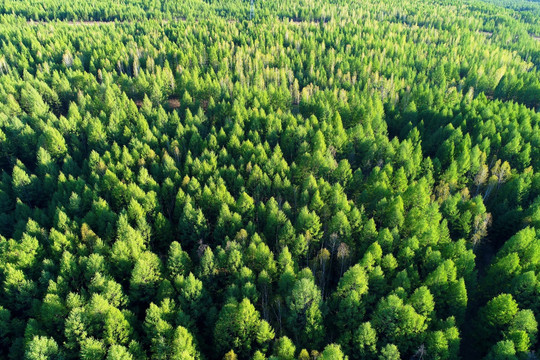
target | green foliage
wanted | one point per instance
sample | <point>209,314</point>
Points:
<point>284,348</point>
<point>239,328</point>
<point>331,179</point>
<point>399,322</point>
<point>389,352</point>
<point>53,142</point>
<point>365,340</point>
<point>40,348</point>
<point>118,352</point>
<point>305,317</point>
<point>500,311</point>
<point>183,346</point>
<point>333,352</point>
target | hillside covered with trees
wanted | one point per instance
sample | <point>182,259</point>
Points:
<point>327,180</point>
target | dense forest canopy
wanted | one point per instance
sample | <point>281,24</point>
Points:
<point>326,180</point>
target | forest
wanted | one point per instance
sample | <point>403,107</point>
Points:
<point>288,180</point>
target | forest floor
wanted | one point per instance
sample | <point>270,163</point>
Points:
<point>174,103</point>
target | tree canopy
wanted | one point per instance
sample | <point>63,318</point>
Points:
<point>316,180</point>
